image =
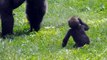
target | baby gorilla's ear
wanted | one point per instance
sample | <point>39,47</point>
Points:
<point>79,24</point>
<point>69,24</point>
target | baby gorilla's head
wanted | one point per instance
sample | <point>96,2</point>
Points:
<point>74,22</point>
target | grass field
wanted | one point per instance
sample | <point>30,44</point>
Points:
<point>46,44</point>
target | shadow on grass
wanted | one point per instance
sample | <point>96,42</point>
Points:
<point>18,33</point>
<point>22,32</point>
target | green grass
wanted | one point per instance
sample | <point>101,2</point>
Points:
<point>46,44</point>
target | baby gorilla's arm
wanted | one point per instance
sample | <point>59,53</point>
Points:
<point>66,38</point>
<point>83,24</point>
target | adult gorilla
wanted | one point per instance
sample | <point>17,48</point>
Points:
<point>35,10</point>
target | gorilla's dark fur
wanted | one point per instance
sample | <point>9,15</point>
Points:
<point>35,10</point>
<point>77,31</point>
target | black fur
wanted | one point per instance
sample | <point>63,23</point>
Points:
<point>35,10</point>
<point>77,31</point>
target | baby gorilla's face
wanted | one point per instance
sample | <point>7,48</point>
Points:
<point>74,22</point>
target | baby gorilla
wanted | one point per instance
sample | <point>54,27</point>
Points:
<point>77,30</point>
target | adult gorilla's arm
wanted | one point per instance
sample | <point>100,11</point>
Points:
<point>17,3</point>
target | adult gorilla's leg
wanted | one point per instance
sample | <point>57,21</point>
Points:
<point>17,3</point>
<point>35,12</point>
<point>7,22</point>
